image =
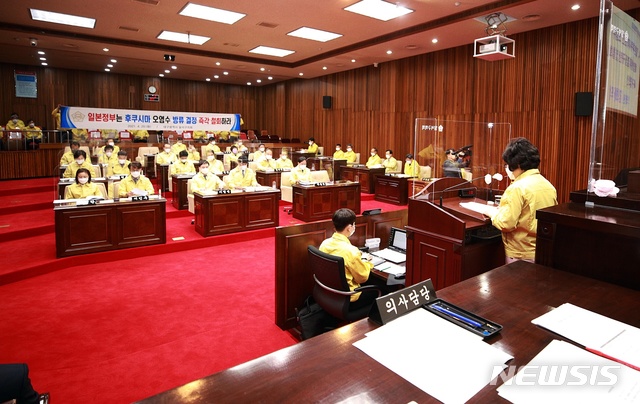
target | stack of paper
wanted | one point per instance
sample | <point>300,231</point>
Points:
<point>442,359</point>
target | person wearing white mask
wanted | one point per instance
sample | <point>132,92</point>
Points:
<point>215,166</point>
<point>194,155</point>
<point>178,146</point>
<point>301,172</point>
<point>338,154</point>
<point>112,143</point>
<point>350,155</point>
<point>389,163</point>
<point>109,157</point>
<point>166,156</point>
<point>15,123</point>
<point>212,145</point>
<point>205,180</point>
<point>374,159</point>
<point>267,162</point>
<point>135,184</point>
<point>83,187</point>
<point>257,155</point>
<point>283,161</point>
<point>67,158</point>
<point>313,147</point>
<point>411,167</point>
<point>80,161</point>
<point>242,176</point>
<point>120,166</point>
<point>357,269</point>
<point>34,132</point>
<point>183,165</point>
<point>529,191</point>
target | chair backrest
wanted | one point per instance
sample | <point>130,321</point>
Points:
<point>116,190</point>
<point>274,138</point>
<point>320,150</point>
<point>319,176</point>
<point>103,190</point>
<point>329,270</point>
<point>357,158</point>
<point>143,151</point>
<point>398,168</point>
<point>285,179</point>
<point>97,171</point>
<point>189,181</point>
<point>425,172</point>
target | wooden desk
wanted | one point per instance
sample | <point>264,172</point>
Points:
<point>366,176</point>
<point>294,281</point>
<point>599,242</point>
<point>231,213</point>
<point>511,295</point>
<point>327,163</point>
<point>317,203</point>
<point>149,165</point>
<point>266,178</point>
<point>392,189</point>
<point>109,226</point>
<point>179,198</point>
<point>162,172</point>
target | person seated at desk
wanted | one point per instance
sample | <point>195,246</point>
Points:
<point>140,136</point>
<point>374,160</point>
<point>389,163</point>
<point>67,158</point>
<point>183,166</point>
<point>80,161</point>
<point>15,123</point>
<point>135,184</point>
<point>313,147</point>
<point>235,155</point>
<point>112,143</point>
<point>166,156</point>
<point>284,161</point>
<point>34,133</point>
<point>205,180</point>
<point>178,146</point>
<point>350,155</point>
<point>338,154</point>
<point>121,165</point>
<point>242,176</point>
<point>411,167</point>
<point>200,136</point>
<point>194,155</point>
<point>267,162</point>
<point>109,157</point>
<point>216,166</point>
<point>258,154</point>
<point>241,147</point>
<point>301,172</point>
<point>83,186</point>
<point>109,134</point>
<point>212,145</point>
<point>15,385</point>
<point>450,167</point>
<point>357,271</point>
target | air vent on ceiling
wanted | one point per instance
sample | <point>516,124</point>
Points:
<point>152,2</point>
<point>133,29</point>
<point>235,45</point>
<point>267,24</point>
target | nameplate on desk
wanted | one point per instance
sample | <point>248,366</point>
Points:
<point>320,184</point>
<point>391,306</point>
<point>224,191</point>
<point>139,198</point>
<point>225,173</point>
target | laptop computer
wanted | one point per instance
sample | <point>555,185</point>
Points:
<point>397,250</point>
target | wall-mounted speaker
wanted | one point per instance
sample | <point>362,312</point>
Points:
<point>326,101</point>
<point>584,104</point>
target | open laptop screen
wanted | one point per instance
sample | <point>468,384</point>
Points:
<point>398,239</point>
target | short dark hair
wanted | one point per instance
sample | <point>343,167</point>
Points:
<point>409,156</point>
<point>79,153</point>
<point>312,139</point>
<point>108,147</point>
<point>74,143</point>
<point>349,145</point>
<point>390,151</point>
<point>243,159</point>
<point>373,148</point>
<point>521,153</point>
<point>183,153</point>
<point>450,152</point>
<point>338,144</point>
<point>122,153</point>
<point>204,162</point>
<point>83,170</point>
<point>136,165</point>
<point>261,144</point>
<point>343,218</point>
<point>301,159</point>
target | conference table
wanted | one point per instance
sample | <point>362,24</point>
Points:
<point>392,188</point>
<point>328,368</point>
<point>317,202</point>
<point>364,175</point>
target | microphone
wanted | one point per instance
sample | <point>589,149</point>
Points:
<point>460,185</point>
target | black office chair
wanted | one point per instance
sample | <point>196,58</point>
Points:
<point>331,290</point>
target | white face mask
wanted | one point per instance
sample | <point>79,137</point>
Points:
<point>337,149</point>
<point>111,143</point>
<point>108,154</point>
<point>283,156</point>
<point>204,171</point>
<point>122,161</point>
<point>184,161</point>
<point>15,121</point>
<point>80,161</point>
<point>261,149</point>
<point>373,154</point>
<point>408,161</point>
<point>303,166</point>
<point>83,180</point>
<point>509,173</point>
<point>388,156</point>
<point>210,158</point>
<point>348,148</point>
<point>31,125</point>
<point>269,157</point>
<point>353,230</point>
<point>167,150</point>
<point>310,143</point>
<point>135,174</point>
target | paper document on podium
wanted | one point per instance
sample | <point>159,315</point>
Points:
<point>597,333</point>
<point>478,207</point>
<point>435,355</point>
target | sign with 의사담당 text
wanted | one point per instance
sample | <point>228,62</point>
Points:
<point>394,305</point>
<point>129,119</point>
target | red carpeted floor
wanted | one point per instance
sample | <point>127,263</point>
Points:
<point>121,326</point>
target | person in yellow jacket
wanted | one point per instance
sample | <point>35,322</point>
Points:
<point>80,162</point>
<point>83,186</point>
<point>350,155</point>
<point>338,154</point>
<point>67,158</point>
<point>267,162</point>
<point>374,159</point>
<point>411,167</point>
<point>242,176</point>
<point>178,146</point>
<point>313,146</point>
<point>284,161</point>
<point>14,123</point>
<point>33,132</point>
<point>194,155</point>
<point>389,163</point>
<point>108,157</point>
<point>166,156</point>
<point>183,165</point>
<point>235,155</point>
<point>109,142</point>
<point>77,134</point>
<point>200,136</point>
<point>136,183</point>
<point>301,172</point>
<point>216,166</point>
<point>140,136</point>
<point>107,134</point>
<point>212,145</point>
<point>257,155</point>
<point>120,166</point>
<point>205,180</point>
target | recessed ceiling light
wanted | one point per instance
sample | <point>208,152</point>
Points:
<point>109,65</point>
<point>216,77</point>
<point>267,50</point>
<point>43,58</point>
<point>262,69</point>
<point>40,52</point>
<point>208,79</point>
<point>107,70</point>
<point>269,78</point>
<point>258,81</point>
<point>210,13</point>
<point>324,67</point>
<point>161,75</point>
<point>217,63</point>
<point>434,40</point>
<point>45,64</point>
<point>378,9</point>
<point>575,7</point>
<point>184,38</point>
<point>113,61</point>
<point>314,34</point>
<point>248,83</point>
<point>105,49</point>
<point>300,74</point>
<point>66,19</point>
<point>167,71</point>
<point>353,60</point>
<point>225,73</point>
<point>174,67</point>
<point>389,52</point>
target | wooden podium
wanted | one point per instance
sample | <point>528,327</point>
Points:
<point>446,242</point>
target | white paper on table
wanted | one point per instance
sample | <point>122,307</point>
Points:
<point>391,268</point>
<point>594,380</point>
<point>139,192</point>
<point>594,331</point>
<point>435,355</point>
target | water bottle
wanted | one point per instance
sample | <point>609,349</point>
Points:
<point>357,178</point>
<point>313,166</point>
<point>273,185</point>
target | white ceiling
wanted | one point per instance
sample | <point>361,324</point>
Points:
<point>129,29</point>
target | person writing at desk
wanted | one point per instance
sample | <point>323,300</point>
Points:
<point>411,167</point>
<point>301,172</point>
<point>357,271</point>
<point>135,184</point>
<point>529,191</point>
<point>83,186</point>
<point>390,162</point>
<point>374,160</point>
<point>242,176</point>
<point>205,180</point>
<point>80,157</point>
